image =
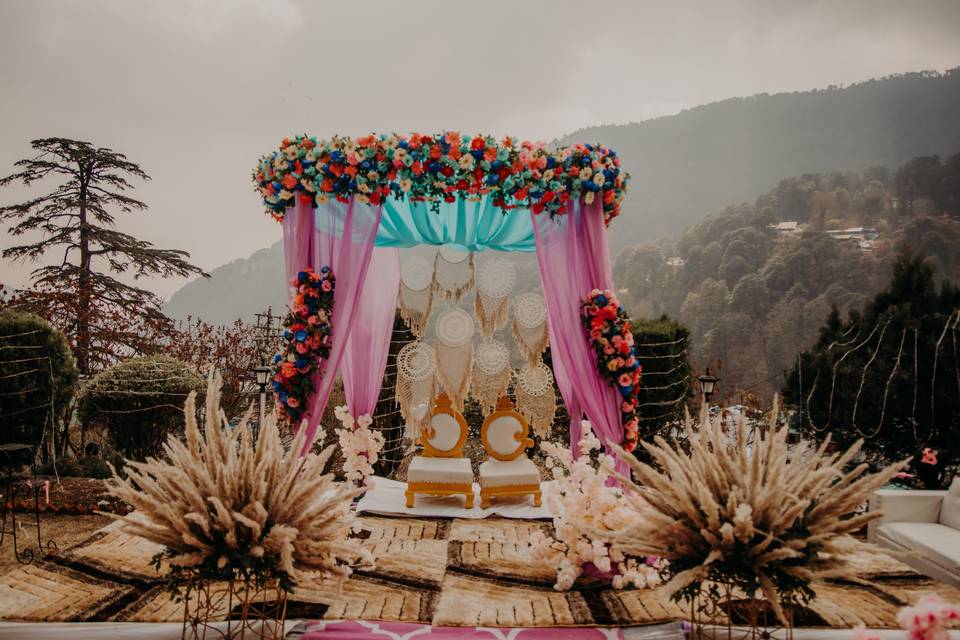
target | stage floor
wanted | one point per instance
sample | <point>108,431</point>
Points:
<point>453,572</point>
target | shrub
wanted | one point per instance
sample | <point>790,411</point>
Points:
<point>38,377</point>
<point>138,402</point>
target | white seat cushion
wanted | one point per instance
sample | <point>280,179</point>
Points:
<point>501,473</point>
<point>950,507</point>
<point>937,541</point>
<point>444,470</point>
<point>502,435</point>
<point>446,432</point>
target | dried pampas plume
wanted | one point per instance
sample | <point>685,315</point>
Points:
<point>752,514</point>
<point>223,504</point>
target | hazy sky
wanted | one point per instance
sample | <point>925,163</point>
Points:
<point>196,90</point>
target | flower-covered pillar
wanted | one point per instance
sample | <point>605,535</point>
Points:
<point>573,258</point>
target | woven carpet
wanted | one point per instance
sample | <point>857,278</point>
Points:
<point>441,572</point>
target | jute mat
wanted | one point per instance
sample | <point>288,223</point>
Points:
<point>441,572</point>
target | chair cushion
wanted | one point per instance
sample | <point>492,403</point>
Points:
<point>950,507</point>
<point>501,473</point>
<point>937,541</point>
<point>446,432</point>
<point>444,470</point>
<point>502,435</point>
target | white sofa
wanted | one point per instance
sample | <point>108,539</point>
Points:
<point>925,525</point>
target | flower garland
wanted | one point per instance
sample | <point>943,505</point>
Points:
<point>440,167</point>
<point>361,446</point>
<point>609,331</point>
<point>587,505</point>
<point>307,332</point>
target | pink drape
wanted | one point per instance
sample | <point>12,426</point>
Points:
<point>369,344</point>
<point>341,236</point>
<point>573,258</point>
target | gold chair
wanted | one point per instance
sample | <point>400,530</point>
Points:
<point>508,471</point>
<point>442,470</point>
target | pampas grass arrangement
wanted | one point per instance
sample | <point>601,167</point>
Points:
<point>228,506</point>
<point>752,515</point>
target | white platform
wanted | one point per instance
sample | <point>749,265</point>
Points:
<point>387,497</point>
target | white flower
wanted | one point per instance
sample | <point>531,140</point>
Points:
<point>588,197</point>
<point>599,179</point>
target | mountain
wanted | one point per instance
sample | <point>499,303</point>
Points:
<point>237,289</point>
<point>694,163</point>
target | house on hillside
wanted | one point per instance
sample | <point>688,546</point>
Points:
<point>786,229</point>
<point>676,262</point>
<point>860,237</point>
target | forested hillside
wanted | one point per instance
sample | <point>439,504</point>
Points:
<point>754,291</point>
<point>705,158</point>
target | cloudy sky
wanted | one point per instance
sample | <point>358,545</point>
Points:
<point>196,90</point>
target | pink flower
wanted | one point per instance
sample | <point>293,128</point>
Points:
<point>301,347</point>
<point>326,286</point>
<point>293,402</point>
<point>608,351</point>
<point>929,456</point>
<point>625,380</point>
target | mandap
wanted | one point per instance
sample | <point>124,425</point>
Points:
<point>348,205</point>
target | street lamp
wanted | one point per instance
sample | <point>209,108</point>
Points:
<point>708,384</point>
<point>263,376</point>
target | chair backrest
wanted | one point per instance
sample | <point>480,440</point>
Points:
<point>504,432</point>
<point>446,433</point>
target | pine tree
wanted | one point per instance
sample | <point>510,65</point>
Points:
<point>103,317</point>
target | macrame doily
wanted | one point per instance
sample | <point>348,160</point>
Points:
<point>417,273</point>
<point>496,278</point>
<point>416,293</point>
<point>454,354</point>
<point>416,382</point>
<point>453,273</point>
<point>529,310</point>
<point>535,380</point>
<point>491,374</point>
<point>416,361</point>
<point>536,399</point>
<point>492,356</point>
<point>530,325</point>
<point>455,327</point>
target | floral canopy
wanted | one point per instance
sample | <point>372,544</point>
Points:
<point>468,183</point>
<point>347,205</point>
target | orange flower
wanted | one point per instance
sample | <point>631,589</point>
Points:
<point>287,370</point>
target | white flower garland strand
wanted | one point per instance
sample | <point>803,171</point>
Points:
<point>586,505</point>
<point>361,446</point>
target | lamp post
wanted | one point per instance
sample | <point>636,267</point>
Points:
<point>262,375</point>
<point>708,384</point>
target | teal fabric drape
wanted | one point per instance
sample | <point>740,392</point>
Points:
<point>467,225</point>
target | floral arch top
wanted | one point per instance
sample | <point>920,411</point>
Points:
<point>440,168</point>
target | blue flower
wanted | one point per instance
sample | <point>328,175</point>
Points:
<point>626,391</point>
<point>300,363</point>
<point>324,269</point>
<point>276,358</point>
<point>301,335</point>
